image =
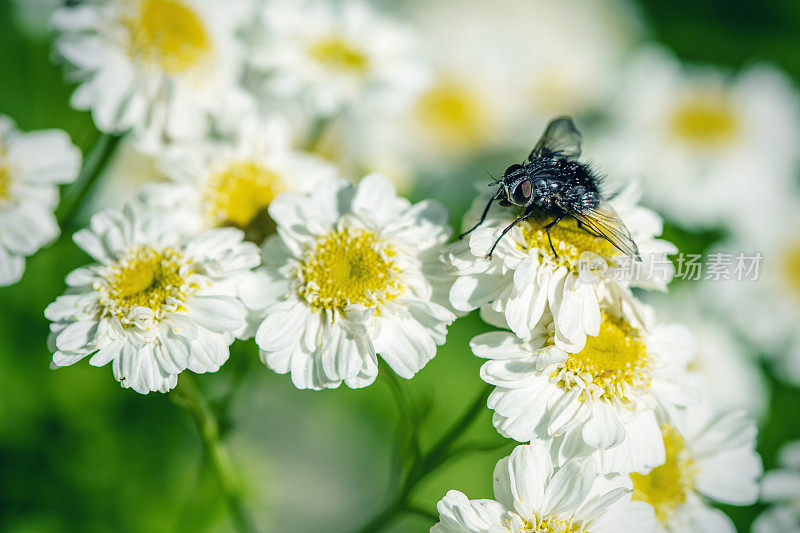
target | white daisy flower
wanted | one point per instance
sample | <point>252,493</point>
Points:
<point>566,54</point>
<point>353,272</point>
<point>358,147</point>
<point>468,106</point>
<point>714,459</point>
<point>606,400</point>
<point>162,68</point>
<point>761,298</point>
<point>32,165</point>
<point>724,368</point>
<point>781,489</point>
<point>709,145</point>
<point>526,282</point>
<point>337,55</point>
<point>552,57</point>
<point>485,94</point>
<point>232,183</point>
<point>457,116</point>
<point>533,495</point>
<point>153,304</point>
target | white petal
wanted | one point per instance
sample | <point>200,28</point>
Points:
<point>405,345</point>
<point>595,507</point>
<point>11,267</point>
<point>217,313</point>
<point>703,519</point>
<point>459,514</point>
<point>107,353</point>
<point>731,476</point>
<point>604,428</point>
<point>498,345</point>
<point>529,470</point>
<point>569,487</point>
<point>48,156</point>
<point>280,330</point>
<point>377,196</point>
<point>77,337</point>
<point>566,411</point>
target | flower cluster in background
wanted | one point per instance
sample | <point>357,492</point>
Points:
<point>278,181</point>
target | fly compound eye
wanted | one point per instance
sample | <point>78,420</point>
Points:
<point>522,193</point>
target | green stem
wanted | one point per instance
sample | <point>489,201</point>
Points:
<point>482,447</point>
<point>189,396</point>
<point>426,464</point>
<point>240,366</point>
<point>408,413</point>
<point>424,513</point>
<point>318,128</point>
<point>76,195</point>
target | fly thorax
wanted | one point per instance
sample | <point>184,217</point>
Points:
<point>544,189</point>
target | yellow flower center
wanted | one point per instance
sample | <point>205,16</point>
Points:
<point>552,524</point>
<point>615,362</point>
<point>239,196</point>
<point>453,115</point>
<point>666,486</point>
<point>706,121</point>
<point>555,92</point>
<point>569,241</point>
<point>5,182</point>
<point>156,279</point>
<point>167,33</point>
<point>336,53</point>
<point>791,268</point>
<point>347,267</point>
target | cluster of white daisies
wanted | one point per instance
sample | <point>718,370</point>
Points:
<point>253,111</point>
<point>621,436</point>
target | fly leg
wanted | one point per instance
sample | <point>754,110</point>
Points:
<point>547,230</point>
<point>587,230</point>
<point>522,217</point>
<point>483,216</point>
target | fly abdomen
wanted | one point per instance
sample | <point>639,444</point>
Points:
<point>590,200</point>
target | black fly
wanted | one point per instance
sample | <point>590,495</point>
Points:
<point>553,182</point>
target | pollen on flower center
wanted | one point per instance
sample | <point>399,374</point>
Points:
<point>145,277</point>
<point>337,54</point>
<point>5,182</point>
<point>347,267</point>
<point>611,365</point>
<point>791,267</point>
<point>704,121</point>
<point>452,115</point>
<point>167,33</point>
<point>666,486</point>
<point>239,196</point>
<point>552,524</point>
<point>569,241</point>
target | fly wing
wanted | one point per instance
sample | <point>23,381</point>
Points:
<point>604,222</point>
<point>561,137</point>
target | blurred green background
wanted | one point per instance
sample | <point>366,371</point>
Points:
<point>78,453</point>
